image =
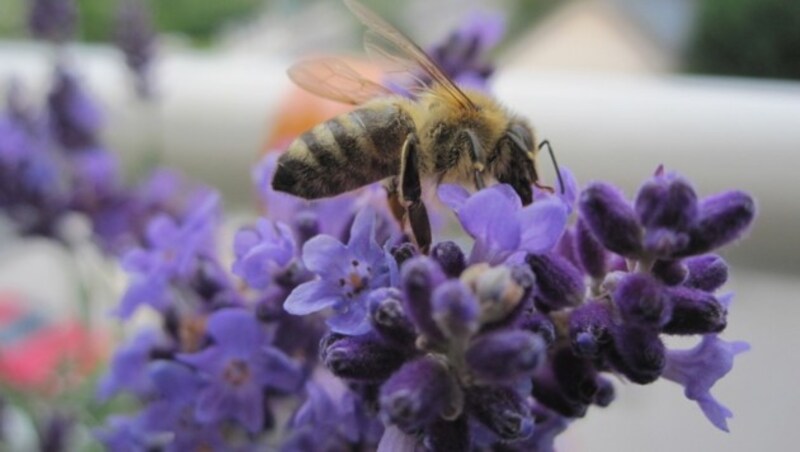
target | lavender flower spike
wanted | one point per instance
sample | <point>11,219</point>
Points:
<point>697,369</point>
<point>53,20</point>
<point>347,273</point>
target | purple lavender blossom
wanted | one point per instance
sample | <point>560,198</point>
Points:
<point>699,368</point>
<point>501,227</point>
<point>347,273</point>
<point>53,20</point>
<point>237,368</point>
<point>128,370</point>
<point>74,118</point>
<point>262,251</point>
<point>136,38</point>
<point>172,255</point>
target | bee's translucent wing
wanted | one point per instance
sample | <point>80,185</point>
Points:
<point>391,44</point>
<point>334,79</point>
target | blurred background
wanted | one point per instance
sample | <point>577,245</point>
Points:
<point>710,88</point>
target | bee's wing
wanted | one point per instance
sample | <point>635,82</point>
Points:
<point>334,79</point>
<point>391,44</point>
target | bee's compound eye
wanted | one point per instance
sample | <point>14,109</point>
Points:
<point>523,134</point>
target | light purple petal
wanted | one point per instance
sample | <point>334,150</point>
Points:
<point>453,196</point>
<point>481,213</point>
<point>235,330</point>
<point>311,297</point>
<point>215,402</point>
<point>326,256</point>
<point>542,225</point>
<point>394,440</point>
<point>249,408</point>
<point>279,371</point>
<point>717,413</point>
<point>362,234</point>
<point>352,320</point>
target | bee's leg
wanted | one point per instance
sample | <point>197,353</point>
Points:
<point>476,154</point>
<point>518,168</point>
<point>392,187</point>
<point>411,193</point>
<point>555,165</point>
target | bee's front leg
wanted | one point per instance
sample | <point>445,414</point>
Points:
<point>476,155</point>
<point>411,193</point>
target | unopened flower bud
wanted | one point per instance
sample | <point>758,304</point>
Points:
<point>670,272</point>
<point>502,410</point>
<point>593,257</point>
<point>611,219</point>
<point>505,356</point>
<point>590,328</point>
<point>641,300</point>
<point>455,309</point>
<point>420,276</point>
<point>416,394</point>
<point>723,218</point>
<point>450,258</point>
<point>638,353</point>
<point>694,311</point>
<point>560,284</point>
<point>707,272</point>
<point>666,202</point>
<point>388,317</point>
<point>362,358</point>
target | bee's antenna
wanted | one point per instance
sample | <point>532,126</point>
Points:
<point>555,164</point>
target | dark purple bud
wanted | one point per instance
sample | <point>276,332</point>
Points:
<point>694,311</point>
<point>404,252</point>
<point>136,39</point>
<point>541,325</point>
<point>590,328</point>
<point>666,202</point>
<point>388,317</point>
<point>723,218</point>
<point>664,242</point>
<point>450,258</point>
<point>501,409</point>
<point>560,284</point>
<point>56,432</point>
<point>593,257</point>
<point>670,272</point>
<point>638,354</point>
<point>420,276</point>
<point>417,394</point>
<point>642,300</point>
<point>53,20</point>
<point>363,358</point>
<point>505,356</point>
<point>605,392</point>
<point>455,309</point>
<point>448,436</point>
<point>547,391</point>
<point>575,375</point>
<point>708,272</point>
<point>611,219</point>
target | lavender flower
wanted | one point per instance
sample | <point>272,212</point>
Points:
<point>128,369</point>
<point>136,38</point>
<point>262,251</point>
<point>347,273</point>
<point>495,218</point>
<point>52,20</point>
<point>699,368</point>
<point>237,368</point>
<point>74,118</point>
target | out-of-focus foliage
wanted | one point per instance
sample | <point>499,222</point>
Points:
<point>199,20</point>
<point>747,37</point>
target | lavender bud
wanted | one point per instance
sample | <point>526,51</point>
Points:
<point>560,284</point>
<point>548,391</point>
<point>666,202</point>
<point>502,410</point>
<point>575,375</point>
<point>566,247</point>
<point>708,272</point>
<point>499,295</point>
<point>404,252</point>
<point>694,312</point>
<point>605,392</point>
<point>136,38</point>
<point>670,272</point>
<point>641,300</point>
<point>420,276</point>
<point>611,219</point>
<point>664,242</point>
<point>416,394</point>
<point>448,436</point>
<point>388,317</point>
<point>638,354</point>
<point>455,309</point>
<point>590,328</point>
<point>541,325</point>
<point>723,218</point>
<point>592,255</point>
<point>505,356</point>
<point>52,20</point>
<point>363,358</point>
<point>450,258</point>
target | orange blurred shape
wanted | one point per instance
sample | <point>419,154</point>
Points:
<point>300,110</point>
<point>38,353</point>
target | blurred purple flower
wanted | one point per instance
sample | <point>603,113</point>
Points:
<point>347,273</point>
<point>699,368</point>
<point>75,119</point>
<point>261,251</point>
<point>136,38</point>
<point>52,20</point>
<point>501,226</point>
<point>237,368</point>
<point>128,368</point>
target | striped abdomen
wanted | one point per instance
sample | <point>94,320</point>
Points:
<point>345,153</point>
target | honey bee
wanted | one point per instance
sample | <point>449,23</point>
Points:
<point>445,134</point>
